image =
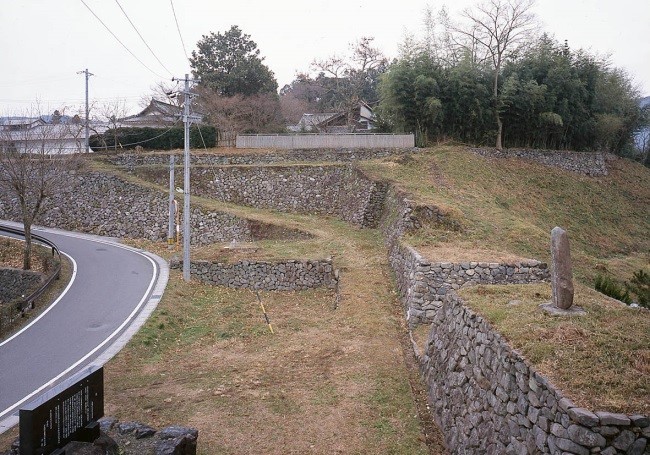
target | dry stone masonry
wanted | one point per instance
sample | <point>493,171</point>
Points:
<point>131,160</point>
<point>15,283</point>
<point>588,163</point>
<point>488,399</point>
<point>267,276</point>
<point>338,190</point>
<point>104,204</point>
<point>423,285</point>
<point>485,397</point>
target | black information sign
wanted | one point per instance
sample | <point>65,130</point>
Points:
<point>67,412</point>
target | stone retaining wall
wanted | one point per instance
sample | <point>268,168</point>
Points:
<point>131,160</point>
<point>340,190</point>
<point>587,163</point>
<point>484,396</point>
<point>104,204</point>
<point>422,284</point>
<point>267,276</point>
<point>488,399</point>
<point>400,215</point>
<point>15,283</point>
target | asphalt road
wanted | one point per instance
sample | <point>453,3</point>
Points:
<point>112,286</point>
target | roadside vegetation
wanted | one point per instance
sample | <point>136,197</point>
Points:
<point>11,256</point>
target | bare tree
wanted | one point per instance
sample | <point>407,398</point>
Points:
<point>238,114</point>
<point>495,32</point>
<point>114,112</point>
<point>346,81</point>
<point>34,159</point>
<point>165,92</point>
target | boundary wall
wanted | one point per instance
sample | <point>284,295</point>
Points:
<point>323,140</point>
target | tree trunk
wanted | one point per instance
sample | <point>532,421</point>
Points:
<point>498,145</point>
<point>27,250</point>
<point>495,92</point>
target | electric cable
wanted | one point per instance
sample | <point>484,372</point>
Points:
<point>119,41</point>
<point>142,142</point>
<point>171,2</point>
<point>198,127</point>
<point>142,38</point>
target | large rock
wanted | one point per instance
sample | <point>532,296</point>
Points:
<point>561,273</point>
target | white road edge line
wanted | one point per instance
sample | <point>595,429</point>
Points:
<point>160,276</point>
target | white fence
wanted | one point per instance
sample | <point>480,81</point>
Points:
<point>326,141</point>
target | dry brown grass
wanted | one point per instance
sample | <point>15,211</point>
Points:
<point>329,381</point>
<point>11,255</point>
<point>601,360</point>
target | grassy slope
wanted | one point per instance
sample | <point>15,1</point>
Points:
<point>511,205</point>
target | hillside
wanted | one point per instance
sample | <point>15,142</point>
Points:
<point>337,375</point>
<point>510,206</point>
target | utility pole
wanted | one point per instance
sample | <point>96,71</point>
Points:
<point>88,74</point>
<point>187,120</point>
<point>170,230</point>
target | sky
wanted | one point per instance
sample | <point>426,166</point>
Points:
<point>44,43</point>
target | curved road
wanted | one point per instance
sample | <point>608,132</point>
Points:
<point>113,290</point>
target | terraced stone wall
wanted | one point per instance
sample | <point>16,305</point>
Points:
<point>262,275</point>
<point>103,204</point>
<point>423,285</point>
<point>488,399</point>
<point>336,190</point>
<point>484,396</point>
<point>131,160</point>
<point>587,163</point>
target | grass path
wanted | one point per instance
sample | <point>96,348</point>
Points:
<point>328,381</point>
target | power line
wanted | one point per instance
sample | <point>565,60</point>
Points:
<point>146,140</point>
<point>171,2</point>
<point>119,41</point>
<point>143,40</point>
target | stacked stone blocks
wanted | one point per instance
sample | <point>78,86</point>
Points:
<point>488,399</point>
<point>268,276</point>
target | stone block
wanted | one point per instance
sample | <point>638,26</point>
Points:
<point>607,431</point>
<point>624,440</point>
<point>583,417</point>
<point>609,418</point>
<point>570,446</point>
<point>585,437</point>
<point>640,421</point>
<point>638,447</point>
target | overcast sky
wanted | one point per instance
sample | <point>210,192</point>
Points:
<point>43,43</point>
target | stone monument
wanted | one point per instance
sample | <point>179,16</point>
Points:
<point>561,275</point>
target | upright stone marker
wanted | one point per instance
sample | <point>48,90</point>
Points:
<point>561,273</point>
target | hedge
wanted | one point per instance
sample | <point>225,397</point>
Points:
<point>153,138</point>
